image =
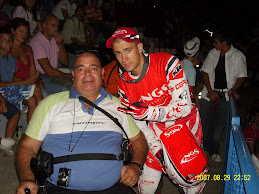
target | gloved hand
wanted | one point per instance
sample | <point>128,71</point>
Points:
<point>139,111</point>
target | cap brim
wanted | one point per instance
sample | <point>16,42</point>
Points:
<point>110,40</point>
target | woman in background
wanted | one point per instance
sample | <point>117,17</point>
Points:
<point>29,10</point>
<point>24,55</point>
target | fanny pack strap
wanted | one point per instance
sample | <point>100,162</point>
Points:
<point>88,156</point>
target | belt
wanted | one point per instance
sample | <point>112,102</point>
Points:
<point>87,156</point>
<point>221,90</point>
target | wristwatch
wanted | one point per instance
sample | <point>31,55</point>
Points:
<point>138,165</point>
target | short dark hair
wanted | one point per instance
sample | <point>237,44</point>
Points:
<point>5,29</point>
<point>48,16</point>
<point>223,36</point>
<point>17,22</point>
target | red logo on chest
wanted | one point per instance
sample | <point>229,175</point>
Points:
<point>158,96</point>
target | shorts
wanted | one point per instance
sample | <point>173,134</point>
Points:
<point>15,94</point>
<point>11,110</point>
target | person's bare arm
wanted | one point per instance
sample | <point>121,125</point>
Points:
<point>212,95</point>
<point>27,150</point>
<point>3,108</point>
<point>62,54</point>
<point>65,14</point>
<point>49,70</point>
<point>29,81</point>
<point>235,88</point>
<point>31,58</point>
<point>251,147</point>
<point>139,152</point>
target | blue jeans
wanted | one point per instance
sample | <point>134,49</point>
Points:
<point>213,122</point>
<point>55,84</point>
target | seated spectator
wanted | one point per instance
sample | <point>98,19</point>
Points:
<point>251,134</point>
<point>191,50</point>
<point>4,18</point>
<point>18,93</point>
<point>64,10</point>
<point>13,115</point>
<point>73,33</point>
<point>23,52</point>
<point>111,78</point>
<point>48,49</point>
<point>28,9</point>
<point>63,124</point>
<point>93,13</point>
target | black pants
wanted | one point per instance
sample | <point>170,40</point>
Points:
<point>117,188</point>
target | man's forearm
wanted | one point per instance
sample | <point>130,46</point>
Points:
<point>27,150</point>
<point>23,164</point>
<point>63,55</point>
<point>207,81</point>
<point>139,150</point>
<point>239,82</point>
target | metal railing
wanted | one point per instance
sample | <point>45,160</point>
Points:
<point>238,164</point>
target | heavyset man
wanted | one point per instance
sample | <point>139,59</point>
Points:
<point>155,89</point>
<point>64,125</point>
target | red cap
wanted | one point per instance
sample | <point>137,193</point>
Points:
<point>125,33</point>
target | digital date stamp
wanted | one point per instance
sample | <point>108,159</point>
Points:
<point>225,177</point>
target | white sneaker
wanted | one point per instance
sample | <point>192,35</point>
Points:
<point>6,145</point>
<point>7,142</point>
<point>216,158</point>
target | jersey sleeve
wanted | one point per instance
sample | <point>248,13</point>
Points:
<point>180,106</point>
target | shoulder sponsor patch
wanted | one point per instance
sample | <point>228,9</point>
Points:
<point>177,72</point>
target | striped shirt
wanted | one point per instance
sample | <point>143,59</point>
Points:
<point>92,14</point>
<point>63,123</point>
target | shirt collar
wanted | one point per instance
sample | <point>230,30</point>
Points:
<point>102,95</point>
<point>230,50</point>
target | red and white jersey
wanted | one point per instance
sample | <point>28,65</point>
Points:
<point>162,83</point>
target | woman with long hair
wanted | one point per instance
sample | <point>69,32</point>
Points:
<point>24,55</point>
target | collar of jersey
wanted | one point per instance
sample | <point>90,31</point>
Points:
<point>102,95</point>
<point>143,73</point>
